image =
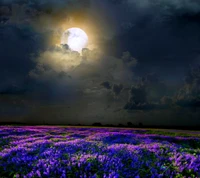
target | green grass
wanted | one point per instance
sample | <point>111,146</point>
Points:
<point>159,132</point>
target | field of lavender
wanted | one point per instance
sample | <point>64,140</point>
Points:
<point>75,152</point>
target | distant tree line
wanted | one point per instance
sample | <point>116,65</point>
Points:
<point>129,124</point>
<point>99,124</point>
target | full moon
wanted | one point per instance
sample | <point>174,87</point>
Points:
<point>75,38</point>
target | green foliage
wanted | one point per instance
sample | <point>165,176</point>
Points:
<point>160,132</point>
<point>13,174</point>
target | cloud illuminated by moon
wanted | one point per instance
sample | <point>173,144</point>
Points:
<point>75,38</point>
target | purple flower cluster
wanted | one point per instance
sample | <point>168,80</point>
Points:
<point>44,151</point>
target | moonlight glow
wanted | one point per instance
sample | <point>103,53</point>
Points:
<point>76,38</point>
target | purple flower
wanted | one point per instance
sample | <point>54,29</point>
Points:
<point>38,173</point>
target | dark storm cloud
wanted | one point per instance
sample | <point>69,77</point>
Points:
<point>180,108</point>
<point>154,86</point>
<point>161,34</point>
<point>129,60</point>
<point>166,100</point>
<point>117,89</point>
<point>13,90</point>
<point>17,45</point>
<point>145,12</point>
<point>137,96</point>
<point>13,107</point>
<point>21,42</point>
<point>68,69</point>
<point>45,4</point>
<point>106,84</point>
<point>4,14</point>
<point>147,94</point>
<point>63,77</point>
<point>36,12</point>
<point>189,94</point>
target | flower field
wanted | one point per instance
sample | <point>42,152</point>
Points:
<point>75,152</point>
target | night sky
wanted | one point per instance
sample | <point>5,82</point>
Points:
<point>141,64</point>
